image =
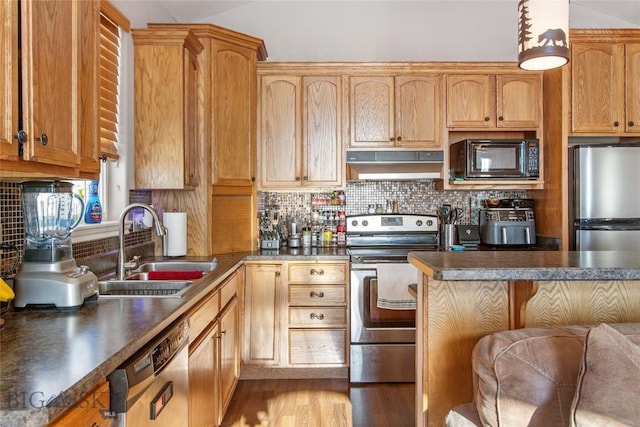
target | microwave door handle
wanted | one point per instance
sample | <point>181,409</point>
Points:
<point>504,235</point>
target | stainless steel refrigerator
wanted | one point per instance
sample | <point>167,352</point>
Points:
<point>606,197</point>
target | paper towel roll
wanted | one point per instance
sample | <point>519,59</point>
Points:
<point>175,243</point>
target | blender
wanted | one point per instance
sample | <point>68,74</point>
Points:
<point>49,275</point>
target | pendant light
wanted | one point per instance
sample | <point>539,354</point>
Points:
<point>543,34</point>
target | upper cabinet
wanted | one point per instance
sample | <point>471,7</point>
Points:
<point>605,79</point>
<point>487,101</point>
<point>55,131</point>
<point>165,103</point>
<point>395,111</point>
<point>300,132</point>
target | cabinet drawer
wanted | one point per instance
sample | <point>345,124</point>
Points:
<point>202,315</point>
<point>319,346</point>
<point>317,295</point>
<point>229,289</point>
<point>318,317</point>
<point>318,273</point>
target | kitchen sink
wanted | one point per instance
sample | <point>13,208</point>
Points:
<point>138,288</point>
<point>204,266</point>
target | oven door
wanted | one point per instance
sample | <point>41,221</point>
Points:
<point>382,340</point>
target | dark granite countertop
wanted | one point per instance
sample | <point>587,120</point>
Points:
<point>528,265</point>
<point>50,359</point>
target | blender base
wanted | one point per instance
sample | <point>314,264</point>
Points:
<point>62,285</point>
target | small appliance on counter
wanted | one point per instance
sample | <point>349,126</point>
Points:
<point>49,275</point>
<point>511,223</point>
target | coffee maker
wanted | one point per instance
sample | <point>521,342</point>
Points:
<point>49,276</point>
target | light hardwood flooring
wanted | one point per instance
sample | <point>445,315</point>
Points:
<point>332,402</point>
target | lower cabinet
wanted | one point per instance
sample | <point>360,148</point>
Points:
<point>296,317</point>
<point>214,352</point>
<point>91,410</point>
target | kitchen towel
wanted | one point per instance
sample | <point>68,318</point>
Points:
<point>175,242</point>
<point>393,286</point>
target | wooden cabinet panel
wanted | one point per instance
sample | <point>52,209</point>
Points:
<point>9,80</point>
<point>470,101</point>
<point>262,323</point>
<point>280,132</point>
<point>234,88</point>
<point>312,295</point>
<point>317,317</point>
<point>597,76</point>
<point>322,131</point>
<point>518,100</point>
<point>317,347</point>
<point>165,73</point>
<point>203,388</point>
<point>418,110</point>
<point>371,100</point>
<point>91,410</point>
<point>203,314</point>
<point>229,335</point>
<point>310,273</point>
<point>632,89</point>
<point>229,289</point>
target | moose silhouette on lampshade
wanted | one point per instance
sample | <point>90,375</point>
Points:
<point>549,21</point>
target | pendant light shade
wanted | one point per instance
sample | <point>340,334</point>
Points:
<point>543,34</point>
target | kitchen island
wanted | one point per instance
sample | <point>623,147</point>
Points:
<point>464,296</point>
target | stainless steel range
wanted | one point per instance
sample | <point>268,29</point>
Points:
<point>382,309</point>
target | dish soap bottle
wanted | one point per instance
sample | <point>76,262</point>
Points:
<point>93,211</point>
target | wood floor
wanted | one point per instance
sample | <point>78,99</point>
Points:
<point>333,402</point>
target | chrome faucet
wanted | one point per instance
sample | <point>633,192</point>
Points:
<point>123,265</point>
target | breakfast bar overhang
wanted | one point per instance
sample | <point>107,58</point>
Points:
<point>463,296</point>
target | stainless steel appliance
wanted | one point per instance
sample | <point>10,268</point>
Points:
<point>152,387</point>
<point>49,275</point>
<point>495,158</point>
<point>512,223</point>
<point>382,315</point>
<point>605,211</point>
<point>394,165</point>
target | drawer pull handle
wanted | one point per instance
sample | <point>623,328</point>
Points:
<point>316,316</point>
<point>314,294</point>
<point>313,272</point>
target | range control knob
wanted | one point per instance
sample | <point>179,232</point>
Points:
<point>419,223</point>
<point>365,223</point>
<point>429,223</point>
<point>354,222</point>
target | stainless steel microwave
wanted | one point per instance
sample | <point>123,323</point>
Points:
<point>495,158</point>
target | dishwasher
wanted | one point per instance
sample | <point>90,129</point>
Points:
<point>152,387</point>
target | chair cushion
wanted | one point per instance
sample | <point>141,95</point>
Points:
<point>463,416</point>
<point>608,388</point>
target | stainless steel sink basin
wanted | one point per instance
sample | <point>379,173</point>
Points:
<point>138,288</point>
<point>205,266</point>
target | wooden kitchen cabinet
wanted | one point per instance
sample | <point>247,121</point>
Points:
<point>605,83</point>
<point>91,410</point>
<point>58,114</point>
<point>488,101</point>
<point>318,314</point>
<point>165,97</point>
<point>300,140</point>
<point>263,323</point>
<point>395,111</point>
<point>214,352</point>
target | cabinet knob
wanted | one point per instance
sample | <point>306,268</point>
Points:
<point>43,139</point>
<point>21,136</point>
<point>253,179</point>
<point>297,178</point>
<point>305,178</point>
<point>501,118</point>
<point>487,118</point>
<point>314,272</point>
<point>399,138</point>
<point>392,138</point>
<point>314,294</point>
<point>616,123</point>
<point>631,123</point>
<point>316,316</point>
<point>103,158</point>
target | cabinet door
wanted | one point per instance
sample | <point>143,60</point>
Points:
<point>203,387</point>
<point>89,411</point>
<point>280,133</point>
<point>234,97</point>
<point>9,80</point>
<point>518,101</point>
<point>471,101</point>
<point>419,112</point>
<point>632,67</point>
<point>597,87</point>
<point>262,311</point>
<point>229,334</point>
<point>371,100</point>
<point>322,131</point>
<point>49,82</point>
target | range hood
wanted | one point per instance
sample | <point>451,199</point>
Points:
<point>394,165</point>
